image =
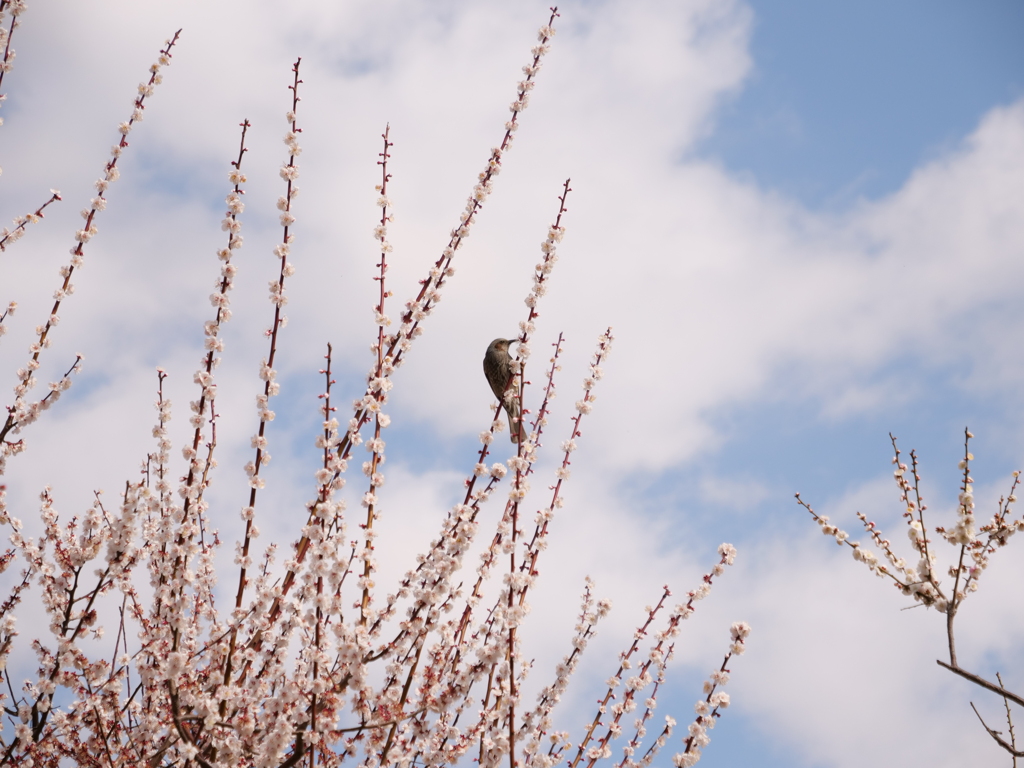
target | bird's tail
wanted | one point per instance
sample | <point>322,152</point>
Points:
<point>517,431</point>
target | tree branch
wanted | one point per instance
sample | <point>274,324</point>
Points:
<point>995,735</point>
<point>982,682</point>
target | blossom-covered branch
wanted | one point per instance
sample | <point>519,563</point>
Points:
<point>9,237</point>
<point>973,546</point>
<point>22,413</point>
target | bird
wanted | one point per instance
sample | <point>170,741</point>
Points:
<point>498,370</point>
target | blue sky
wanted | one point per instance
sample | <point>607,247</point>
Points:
<point>846,99</point>
<point>803,220</point>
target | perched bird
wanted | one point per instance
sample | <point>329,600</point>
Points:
<point>498,370</point>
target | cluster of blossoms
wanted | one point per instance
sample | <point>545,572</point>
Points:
<point>973,548</point>
<point>203,407</point>
<point>537,722</point>
<point>12,307</point>
<point>9,237</point>
<point>16,8</point>
<point>23,412</point>
<point>376,396</point>
<point>976,545</point>
<point>309,663</point>
<point>649,674</point>
<point>418,308</point>
<point>176,532</point>
<point>541,275</point>
<point>289,173</point>
<point>714,700</point>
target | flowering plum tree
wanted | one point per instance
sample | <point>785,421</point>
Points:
<point>310,664</point>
